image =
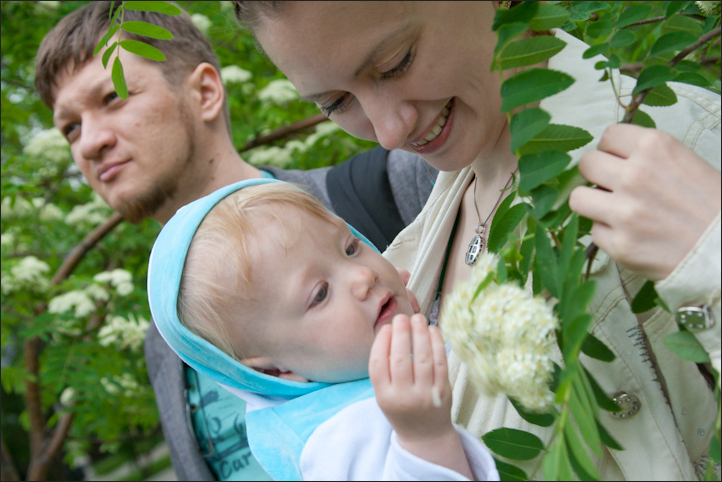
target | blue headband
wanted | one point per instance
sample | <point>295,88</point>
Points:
<point>164,276</point>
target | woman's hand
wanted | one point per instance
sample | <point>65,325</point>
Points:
<point>405,277</point>
<point>655,198</point>
<point>414,393</point>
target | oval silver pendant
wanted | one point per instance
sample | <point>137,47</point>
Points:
<point>475,248</point>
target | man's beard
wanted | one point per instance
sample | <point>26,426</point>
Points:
<point>148,203</point>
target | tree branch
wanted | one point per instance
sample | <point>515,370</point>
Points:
<point>33,403</point>
<point>285,131</point>
<point>39,466</point>
<point>660,18</point>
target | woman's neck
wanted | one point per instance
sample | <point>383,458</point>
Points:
<point>495,164</point>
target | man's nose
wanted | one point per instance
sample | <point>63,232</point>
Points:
<point>363,279</point>
<point>95,139</point>
<point>392,120</point>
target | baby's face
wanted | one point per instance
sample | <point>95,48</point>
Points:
<point>318,303</point>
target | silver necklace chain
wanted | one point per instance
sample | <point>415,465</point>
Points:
<point>477,244</point>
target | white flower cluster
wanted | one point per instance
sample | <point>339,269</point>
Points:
<point>202,22</point>
<point>129,385</point>
<point>77,300</point>
<point>48,145</point>
<point>119,279</point>
<point>282,156</point>
<point>88,215</point>
<point>504,336</point>
<point>709,8</point>
<point>29,273</point>
<point>47,211</point>
<point>233,74</point>
<point>22,207</point>
<point>7,240</point>
<point>125,333</point>
<point>66,397</point>
<point>279,92</point>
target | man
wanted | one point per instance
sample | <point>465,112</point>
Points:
<point>168,144</point>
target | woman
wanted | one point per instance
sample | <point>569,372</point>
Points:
<point>415,76</point>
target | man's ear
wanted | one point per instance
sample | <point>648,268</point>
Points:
<point>207,89</point>
<point>265,365</point>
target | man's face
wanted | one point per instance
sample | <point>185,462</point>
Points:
<point>321,296</point>
<point>136,153</point>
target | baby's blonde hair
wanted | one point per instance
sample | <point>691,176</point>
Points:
<point>205,304</point>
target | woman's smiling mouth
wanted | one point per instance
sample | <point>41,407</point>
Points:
<point>438,134</point>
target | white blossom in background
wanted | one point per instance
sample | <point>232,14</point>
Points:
<point>120,279</point>
<point>125,333</point>
<point>87,216</point>
<point>202,22</point>
<point>295,145</point>
<point>29,273</point>
<point>322,130</point>
<point>129,385</point>
<point>48,145</point>
<point>7,240</point>
<point>505,336</point>
<point>270,156</point>
<point>77,300</point>
<point>233,74</point>
<point>279,92</point>
<point>709,8</point>
<point>97,292</point>
<point>225,6</point>
<point>21,208</point>
<point>66,397</point>
<point>47,211</point>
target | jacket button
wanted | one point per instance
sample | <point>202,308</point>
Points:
<point>629,405</point>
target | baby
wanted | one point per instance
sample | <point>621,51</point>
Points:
<point>282,303</point>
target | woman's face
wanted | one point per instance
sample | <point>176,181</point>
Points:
<point>409,75</point>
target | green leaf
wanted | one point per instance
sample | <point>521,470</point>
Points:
<point>622,38</point>
<point>147,30</point>
<point>602,399</point>
<point>104,40</point>
<point>575,330</point>
<point>143,49</point>
<point>160,7</point>
<point>672,42</point>
<point>692,79</point>
<point>107,54</point>
<point>581,407</point>
<point>596,50</point>
<point>513,444</point>
<point>687,66</point>
<point>557,137</point>
<point>633,14</point>
<point>600,28</point>
<point>653,76</point>
<point>680,23</point>
<point>544,198</point>
<point>523,12</point>
<point>489,278</point>
<point>675,7</point>
<point>530,51</point>
<point>501,228</point>
<point>714,447</point>
<point>532,85</point>
<point>580,298</point>
<point>607,439</point>
<point>643,119</point>
<point>121,88</point>
<point>508,471</point>
<point>644,300</point>
<point>660,96</point>
<point>582,10</point>
<point>549,16</point>
<point>568,242</point>
<point>546,261</point>
<point>527,123</point>
<point>579,458</point>
<point>507,33</point>
<point>556,462</point>
<point>685,345</point>
<point>535,169</point>
<point>541,419</point>
<point>593,347</point>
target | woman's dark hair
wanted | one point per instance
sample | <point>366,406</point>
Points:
<point>249,13</point>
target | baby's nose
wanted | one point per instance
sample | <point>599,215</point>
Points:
<point>364,278</point>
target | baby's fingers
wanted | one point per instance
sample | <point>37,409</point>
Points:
<point>441,370</point>
<point>423,356</point>
<point>400,357</point>
<point>379,359</point>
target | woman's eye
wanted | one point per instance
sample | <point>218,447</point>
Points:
<point>400,68</point>
<point>352,248</point>
<point>321,295</point>
<point>338,106</point>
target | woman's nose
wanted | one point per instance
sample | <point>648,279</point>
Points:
<point>392,120</point>
<point>362,281</point>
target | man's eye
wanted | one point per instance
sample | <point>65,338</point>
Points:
<point>69,129</point>
<point>110,97</point>
<point>321,295</point>
<point>352,248</point>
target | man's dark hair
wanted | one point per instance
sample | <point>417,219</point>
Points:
<point>72,41</point>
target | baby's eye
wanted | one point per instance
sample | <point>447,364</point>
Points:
<point>352,248</point>
<point>321,295</point>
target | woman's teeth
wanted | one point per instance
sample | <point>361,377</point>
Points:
<point>437,128</point>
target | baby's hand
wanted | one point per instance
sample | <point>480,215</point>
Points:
<point>414,394</point>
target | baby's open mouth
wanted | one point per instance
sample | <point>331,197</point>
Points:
<point>387,311</point>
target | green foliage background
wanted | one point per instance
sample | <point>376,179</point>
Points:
<point>48,208</point>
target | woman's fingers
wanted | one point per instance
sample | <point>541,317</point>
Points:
<point>621,139</point>
<point>379,359</point>
<point>592,203</point>
<point>423,356</point>
<point>400,356</point>
<point>601,169</point>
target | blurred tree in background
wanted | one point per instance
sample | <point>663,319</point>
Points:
<point>74,309</point>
